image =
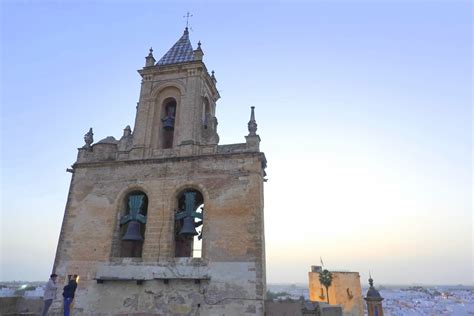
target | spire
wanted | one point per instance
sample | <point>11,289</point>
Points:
<point>180,52</point>
<point>372,292</point>
<point>252,125</point>
<point>373,299</point>
<point>150,60</point>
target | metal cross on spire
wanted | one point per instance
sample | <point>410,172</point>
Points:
<point>187,16</point>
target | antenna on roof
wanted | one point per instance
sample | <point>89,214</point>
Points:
<point>187,16</point>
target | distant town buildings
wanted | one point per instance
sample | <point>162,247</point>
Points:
<point>398,300</point>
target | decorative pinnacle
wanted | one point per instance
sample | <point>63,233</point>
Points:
<point>88,139</point>
<point>199,44</point>
<point>252,125</point>
<point>150,60</point>
<point>127,131</point>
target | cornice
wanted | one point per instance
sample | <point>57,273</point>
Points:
<point>170,159</point>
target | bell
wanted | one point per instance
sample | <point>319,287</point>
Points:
<point>188,228</point>
<point>168,123</point>
<point>133,232</point>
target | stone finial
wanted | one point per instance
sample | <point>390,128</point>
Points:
<point>252,125</point>
<point>88,139</point>
<point>127,131</point>
<point>150,60</point>
<point>213,77</point>
<point>198,53</point>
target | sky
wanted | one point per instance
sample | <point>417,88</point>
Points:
<point>363,109</point>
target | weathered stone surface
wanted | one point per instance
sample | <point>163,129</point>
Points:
<point>345,291</point>
<point>19,305</point>
<point>229,279</point>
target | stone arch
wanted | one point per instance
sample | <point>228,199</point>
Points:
<point>165,124</point>
<point>168,84</point>
<point>127,190</point>
<point>188,245</point>
<point>190,185</point>
<point>120,206</point>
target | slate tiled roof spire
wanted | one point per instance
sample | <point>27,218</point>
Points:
<point>181,52</point>
<point>372,293</point>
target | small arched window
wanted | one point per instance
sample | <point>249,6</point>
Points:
<point>188,218</point>
<point>168,123</point>
<point>207,114</point>
<point>133,224</point>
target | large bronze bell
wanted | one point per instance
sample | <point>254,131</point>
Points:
<point>168,123</point>
<point>188,228</point>
<point>133,232</point>
<point>168,120</point>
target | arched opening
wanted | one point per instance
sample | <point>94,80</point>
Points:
<point>133,224</point>
<point>168,123</point>
<point>188,219</point>
<point>207,116</point>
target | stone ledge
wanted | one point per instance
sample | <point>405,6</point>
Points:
<point>108,151</point>
<point>232,148</point>
<point>89,164</point>
<point>178,268</point>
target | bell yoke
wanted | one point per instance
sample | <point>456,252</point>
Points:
<point>134,218</point>
<point>187,216</point>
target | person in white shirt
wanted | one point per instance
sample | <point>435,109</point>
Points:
<point>49,293</point>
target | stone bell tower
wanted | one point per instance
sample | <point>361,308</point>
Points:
<point>177,102</point>
<point>374,300</point>
<point>164,221</point>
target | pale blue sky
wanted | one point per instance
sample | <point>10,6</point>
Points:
<point>364,110</point>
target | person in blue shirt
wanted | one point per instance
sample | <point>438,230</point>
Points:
<point>68,294</point>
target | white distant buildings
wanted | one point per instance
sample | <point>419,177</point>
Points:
<point>415,301</point>
<point>6,292</point>
<point>428,301</point>
<point>15,290</point>
<point>38,292</point>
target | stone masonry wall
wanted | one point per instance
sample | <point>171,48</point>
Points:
<point>345,290</point>
<point>232,186</point>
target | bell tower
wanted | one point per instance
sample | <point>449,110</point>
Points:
<point>165,220</point>
<point>374,300</point>
<point>177,102</point>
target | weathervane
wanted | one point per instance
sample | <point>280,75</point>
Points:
<point>187,16</point>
